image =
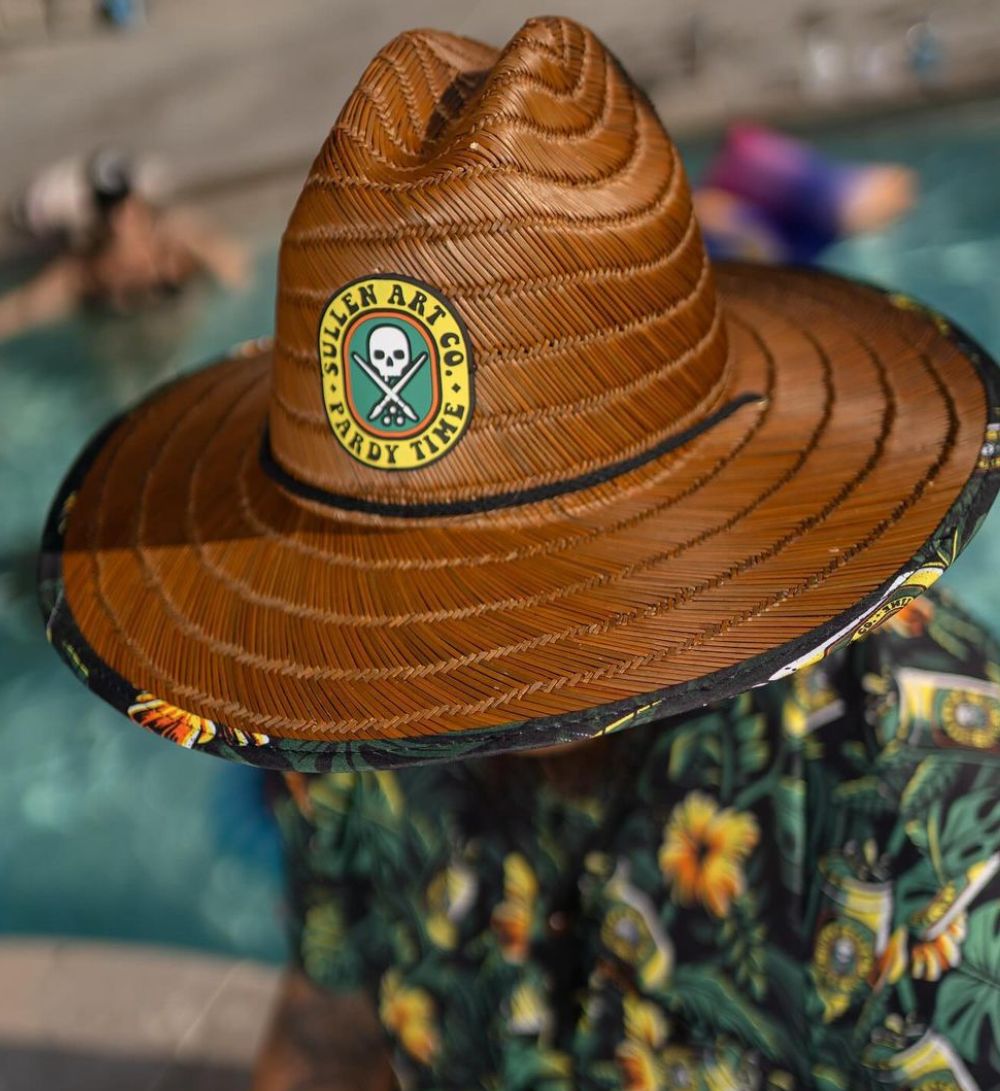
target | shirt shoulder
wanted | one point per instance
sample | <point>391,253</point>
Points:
<point>935,633</point>
<point>931,680</point>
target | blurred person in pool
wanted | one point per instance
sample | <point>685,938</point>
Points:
<point>768,197</point>
<point>121,251</point>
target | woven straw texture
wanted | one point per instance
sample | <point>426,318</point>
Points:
<point>537,190</point>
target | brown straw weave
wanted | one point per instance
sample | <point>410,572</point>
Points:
<point>537,190</point>
<point>667,473</point>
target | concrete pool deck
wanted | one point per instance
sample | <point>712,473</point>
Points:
<point>237,90</point>
<point>84,1016</point>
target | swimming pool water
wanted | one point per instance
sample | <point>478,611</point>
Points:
<point>106,830</point>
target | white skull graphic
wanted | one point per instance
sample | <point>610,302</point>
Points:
<point>388,351</point>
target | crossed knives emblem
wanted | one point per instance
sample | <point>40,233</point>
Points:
<point>392,396</point>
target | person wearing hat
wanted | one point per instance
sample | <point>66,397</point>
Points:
<point>536,551</point>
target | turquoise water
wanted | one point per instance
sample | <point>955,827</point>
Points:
<point>106,830</point>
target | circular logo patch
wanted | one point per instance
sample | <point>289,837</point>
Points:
<point>397,366</point>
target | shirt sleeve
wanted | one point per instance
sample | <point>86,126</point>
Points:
<point>907,882</point>
<point>334,936</point>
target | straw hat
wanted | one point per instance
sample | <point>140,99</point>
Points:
<point>519,466</point>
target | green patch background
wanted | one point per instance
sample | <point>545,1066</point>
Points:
<point>419,391</point>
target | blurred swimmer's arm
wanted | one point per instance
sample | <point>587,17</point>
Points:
<point>323,1041</point>
<point>209,249</point>
<point>53,294</point>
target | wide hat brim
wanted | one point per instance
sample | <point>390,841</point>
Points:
<point>188,589</point>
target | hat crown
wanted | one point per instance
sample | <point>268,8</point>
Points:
<point>535,199</point>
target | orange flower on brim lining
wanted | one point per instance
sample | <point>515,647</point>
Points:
<point>185,728</point>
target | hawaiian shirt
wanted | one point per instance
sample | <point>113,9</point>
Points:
<point>797,888</point>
